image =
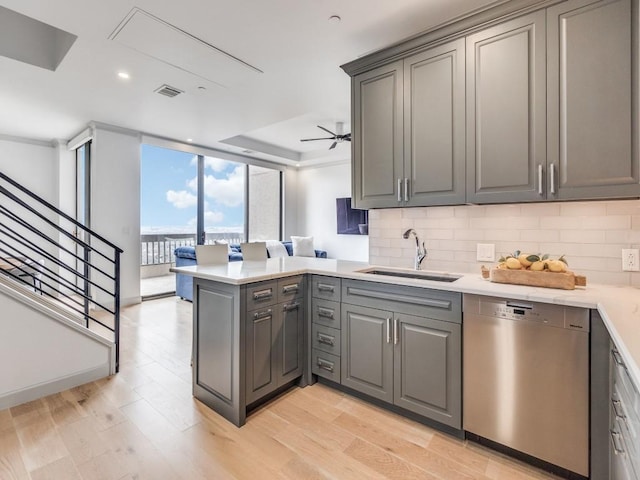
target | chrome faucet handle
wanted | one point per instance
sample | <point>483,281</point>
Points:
<point>421,254</point>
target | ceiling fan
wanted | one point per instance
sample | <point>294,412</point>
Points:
<point>336,137</point>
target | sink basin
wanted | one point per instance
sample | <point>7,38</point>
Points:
<point>435,277</point>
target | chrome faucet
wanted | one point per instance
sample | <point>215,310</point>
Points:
<point>421,252</point>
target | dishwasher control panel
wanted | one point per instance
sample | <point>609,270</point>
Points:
<point>559,316</point>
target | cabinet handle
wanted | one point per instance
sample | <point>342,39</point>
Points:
<point>614,436</point>
<point>290,288</point>
<point>406,189</point>
<point>325,312</point>
<point>540,173</point>
<point>388,330</point>
<point>262,314</point>
<point>263,294</point>
<point>287,307</point>
<point>399,190</point>
<point>618,404</point>
<point>618,358</point>
<point>552,172</point>
<point>323,287</point>
<point>395,331</point>
<point>323,364</point>
<point>326,339</point>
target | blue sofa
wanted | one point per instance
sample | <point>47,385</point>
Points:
<point>186,256</point>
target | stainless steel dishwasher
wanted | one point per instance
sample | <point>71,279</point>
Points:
<point>526,378</point>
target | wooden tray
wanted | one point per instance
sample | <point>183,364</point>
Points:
<point>565,281</point>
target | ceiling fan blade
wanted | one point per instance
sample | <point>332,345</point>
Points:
<point>347,137</point>
<point>328,131</point>
<point>333,145</point>
<point>313,139</point>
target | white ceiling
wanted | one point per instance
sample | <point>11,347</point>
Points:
<point>291,42</point>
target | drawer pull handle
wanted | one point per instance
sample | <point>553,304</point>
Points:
<point>323,287</point>
<point>389,330</point>
<point>287,307</point>
<point>326,339</point>
<point>617,404</point>
<point>323,364</point>
<point>618,358</point>
<point>290,288</point>
<point>614,439</point>
<point>262,314</point>
<point>263,294</point>
<point>540,173</point>
<point>325,312</point>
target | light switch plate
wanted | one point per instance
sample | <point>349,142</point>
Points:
<point>486,252</point>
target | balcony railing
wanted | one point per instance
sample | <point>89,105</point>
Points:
<point>157,248</point>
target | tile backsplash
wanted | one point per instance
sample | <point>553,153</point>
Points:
<point>590,234</point>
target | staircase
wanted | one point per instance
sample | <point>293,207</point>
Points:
<point>59,299</point>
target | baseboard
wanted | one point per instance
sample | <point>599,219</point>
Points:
<point>34,392</point>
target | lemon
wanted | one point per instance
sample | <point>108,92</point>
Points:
<point>513,263</point>
<point>538,266</point>
<point>523,259</point>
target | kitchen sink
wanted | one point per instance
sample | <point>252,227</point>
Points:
<point>435,277</point>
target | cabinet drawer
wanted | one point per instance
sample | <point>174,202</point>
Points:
<point>423,302</point>
<point>261,294</point>
<point>325,312</point>
<point>624,386</point>
<point>326,287</point>
<point>325,365</point>
<point>290,288</point>
<point>326,339</point>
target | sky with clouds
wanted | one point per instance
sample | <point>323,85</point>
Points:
<point>169,192</point>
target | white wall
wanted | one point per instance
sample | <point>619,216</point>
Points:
<point>318,188</point>
<point>32,163</point>
<point>115,200</point>
<point>41,356</point>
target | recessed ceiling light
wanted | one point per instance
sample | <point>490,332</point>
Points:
<point>297,164</point>
<point>189,140</point>
<point>123,75</point>
<point>335,19</point>
<point>247,151</point>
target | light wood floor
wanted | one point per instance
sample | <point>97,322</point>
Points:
<point>144,424</point>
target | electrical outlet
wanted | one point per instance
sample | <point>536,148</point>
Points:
<point>630,261</point>
<point>486,252</point>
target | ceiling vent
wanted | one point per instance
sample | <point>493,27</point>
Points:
<point>168,91</point>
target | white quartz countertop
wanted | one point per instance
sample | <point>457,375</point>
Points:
<point>618,306</point>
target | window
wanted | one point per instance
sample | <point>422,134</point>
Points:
<point>265,204</point>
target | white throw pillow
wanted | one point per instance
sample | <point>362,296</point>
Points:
<point>303,247</point>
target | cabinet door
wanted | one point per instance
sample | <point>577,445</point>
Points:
<point>289,342</point>
<point>377,137</point>
<point>434,125</point>
<point>261,333</point>
<point>506,111</point>
<point>367,351</point>
<point>592,109</point>
<point>427,368</point>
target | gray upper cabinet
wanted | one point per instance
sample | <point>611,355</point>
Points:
<point>408,131</point>
<point>377,137</point>
<point>592,107</point>
<point>506,111</point>
<point>434,125</point>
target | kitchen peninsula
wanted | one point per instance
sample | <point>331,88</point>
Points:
<point>253,325</point>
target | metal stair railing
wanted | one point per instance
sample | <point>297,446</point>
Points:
<point>48,251</point>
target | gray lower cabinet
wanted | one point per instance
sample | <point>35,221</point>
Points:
<point>506,111</point>
<point>405,355</point>
<point>274,347</point>
<point>217,348</point>
<point>592,102</point>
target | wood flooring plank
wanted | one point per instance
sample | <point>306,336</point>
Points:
<point>11,464</point>
<point>455,448</point>
<point>83,440</point>
<point>58,470</point>
<point>384,463</point>
<point>330,463</point>
<point>149,421</point>
<point>40,443</point>
<point>441,466</point>
<point>63,410</point>
<point>6,421</point>
<point>117,391</point>
<point>297,469</point>
<point>178,410</point>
